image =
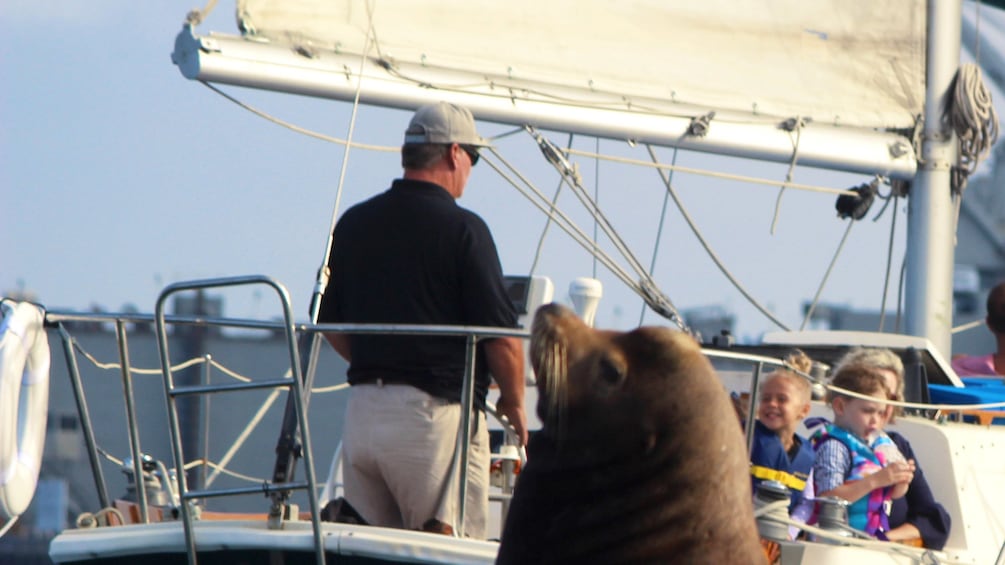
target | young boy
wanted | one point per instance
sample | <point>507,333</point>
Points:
<point>779,454</point>
<point>850,461</point>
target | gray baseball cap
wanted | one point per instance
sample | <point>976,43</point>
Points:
<point>444,123</point>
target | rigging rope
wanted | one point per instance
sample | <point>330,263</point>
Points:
<point>596,192</point>
<point>322,276</point>
<point>196,16</point>
<point>708,248</point>
<point>570,172</point>
<point>570,151</point>
<point>93,520</point>
<point>298,129</point>
<point>538,199</point>
<point>547,224</point>
<point>712,174</point>
<point>820,289</point>
<point>644,289</point>
<point>659,229</point>
<point>647,287</point>
<point>794,124</point>
<point>889,262</point>
<point>900,292</point>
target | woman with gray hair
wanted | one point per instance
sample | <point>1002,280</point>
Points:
<point>916,515</point>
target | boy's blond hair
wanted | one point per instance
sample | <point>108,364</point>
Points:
<point>878,358</point>
<point>859,378</point>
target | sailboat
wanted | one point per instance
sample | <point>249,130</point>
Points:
<point>857,87</point>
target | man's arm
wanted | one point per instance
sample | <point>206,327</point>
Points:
<point>505,360</point>
<point>341,344</point>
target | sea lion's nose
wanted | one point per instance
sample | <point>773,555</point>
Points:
<point>552,309</point>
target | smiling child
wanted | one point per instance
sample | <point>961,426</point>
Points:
<point>779,453</point>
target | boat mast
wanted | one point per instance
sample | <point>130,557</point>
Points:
<point>928,296</point>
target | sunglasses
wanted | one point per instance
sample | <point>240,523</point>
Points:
<point>472,152</point>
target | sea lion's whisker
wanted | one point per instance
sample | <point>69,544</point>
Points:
<point>557,386</point>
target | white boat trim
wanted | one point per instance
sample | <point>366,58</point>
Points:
<point>212,535</point>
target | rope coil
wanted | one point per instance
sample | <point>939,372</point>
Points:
<point>973,118</point>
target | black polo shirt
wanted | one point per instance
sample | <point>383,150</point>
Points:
<point>411,255</point>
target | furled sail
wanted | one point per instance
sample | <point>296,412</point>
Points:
<point>848,75</point>
<point>859,64</point>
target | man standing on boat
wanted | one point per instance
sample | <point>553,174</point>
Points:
<point>411,255</point>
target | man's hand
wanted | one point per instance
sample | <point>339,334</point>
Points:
<point>505,359</point>
<point>516,415</point>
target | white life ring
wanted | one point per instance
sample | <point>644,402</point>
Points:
<point>24,404</point>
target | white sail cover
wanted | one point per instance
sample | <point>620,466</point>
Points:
<point>838,62</point>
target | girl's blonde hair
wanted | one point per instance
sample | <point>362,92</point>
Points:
<point>801,362</point>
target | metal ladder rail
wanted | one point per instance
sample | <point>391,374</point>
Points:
<point>296,382</point>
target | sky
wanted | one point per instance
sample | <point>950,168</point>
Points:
<point>119,176</point>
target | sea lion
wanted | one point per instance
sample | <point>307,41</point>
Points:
<point>639,459</point>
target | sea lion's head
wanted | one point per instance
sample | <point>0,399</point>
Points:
<point>594,384</point>
<point>639,460</point>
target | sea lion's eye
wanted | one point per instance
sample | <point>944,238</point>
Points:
<point>609,372</point>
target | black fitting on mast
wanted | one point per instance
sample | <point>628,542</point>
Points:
<point>857,206</point>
